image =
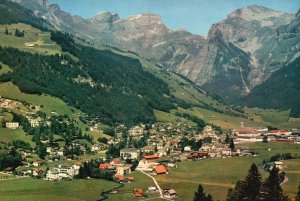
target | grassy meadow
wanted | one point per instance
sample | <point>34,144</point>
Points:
<point>32,189</point>
<point>9,135</point>
<point>31,36</point>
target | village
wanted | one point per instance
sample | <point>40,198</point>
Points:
<point>153,149</point>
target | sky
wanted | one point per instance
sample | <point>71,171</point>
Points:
<point>196,16</point>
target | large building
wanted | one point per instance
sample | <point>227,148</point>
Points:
<point>12,125</point>
<point>130,153</point>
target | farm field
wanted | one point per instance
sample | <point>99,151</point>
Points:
<point>33,189</point>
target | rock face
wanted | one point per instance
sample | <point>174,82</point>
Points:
<point>238,54</point>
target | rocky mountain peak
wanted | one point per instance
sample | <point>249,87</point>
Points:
<point>148,18</point>
<point>257,13</point>
<point>105,17</point>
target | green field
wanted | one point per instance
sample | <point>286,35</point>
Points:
<point>5,69</point>
<point>9,135</point>
<point>273,117</point>
<point>223,120</point>
<point>32,36</point>
<point>218,175</point>
<point>167,117</point>
<point>32,189</point>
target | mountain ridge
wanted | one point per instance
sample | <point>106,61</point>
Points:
<point>238,54</point>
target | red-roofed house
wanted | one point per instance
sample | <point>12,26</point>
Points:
<point>138,192</point>
<point>116,161</point>
<point>161,169</point>
<point>151,157</point>
<point>104,166</point>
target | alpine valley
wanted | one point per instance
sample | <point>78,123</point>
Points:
<point>129,109</point>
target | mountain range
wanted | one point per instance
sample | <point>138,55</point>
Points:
<point>238,55</point>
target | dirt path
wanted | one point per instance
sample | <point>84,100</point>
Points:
<point>158,187</point>
<point>286,179</point>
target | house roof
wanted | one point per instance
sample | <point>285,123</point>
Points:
<point>119,177</point>
<point>104,166</point>
<point>116,161</point>
<point>161,169</point>
<point>138,192</point>
<point>151,157</point>
<point>170,191</point>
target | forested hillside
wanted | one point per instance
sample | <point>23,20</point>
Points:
<point>111,86</point>
<point>14,13</point>
<point>280,91</point>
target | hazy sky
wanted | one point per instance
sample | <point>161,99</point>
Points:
<point>195,16</point>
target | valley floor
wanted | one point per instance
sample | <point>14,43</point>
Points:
<point>216,175</point>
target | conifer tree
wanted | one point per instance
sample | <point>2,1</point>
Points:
<point>231,146</point>
<point>6,31</point>
<point>200,195</point>
<point>248,189</point>
<point>252,184</point>
<point>298,194</point>
<point>271,189</point>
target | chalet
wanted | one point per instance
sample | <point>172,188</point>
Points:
<point>160,169</point>
<point>278,165</point>
<point>197,155</point>
<point>130,153</point>
<point>38,163</point>
<point>34,122</point>
<point>208,132</point>
<point>104,166</point>
<point>146,165</point>
<point>96,148</point>
<point>12,125</point>
<point>123,170</point>
<point>37,173</point>
<point>61,151</point>
<point>151,157</point>
<point>148,150</point>
<point>116,161</point>
<point>187,148</point>
<point>169,193</point>
<point>152,189</point>
<point>138,192</point>
<point>122,179</point>
<point>32,45</point>
<point>62,171</point>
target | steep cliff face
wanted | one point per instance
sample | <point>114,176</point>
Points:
<point>239,53</point>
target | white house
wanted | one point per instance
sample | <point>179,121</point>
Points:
<point>130,153</point>
<point>278,164</point>
<point>123,170</point>
<point>12,125</point>
<point>169,193</point>
<point>187,148</point>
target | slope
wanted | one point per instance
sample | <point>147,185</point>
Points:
<point>280,91</point>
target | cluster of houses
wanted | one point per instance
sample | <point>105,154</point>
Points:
<point>251,134</point>
<point>62,171</point>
